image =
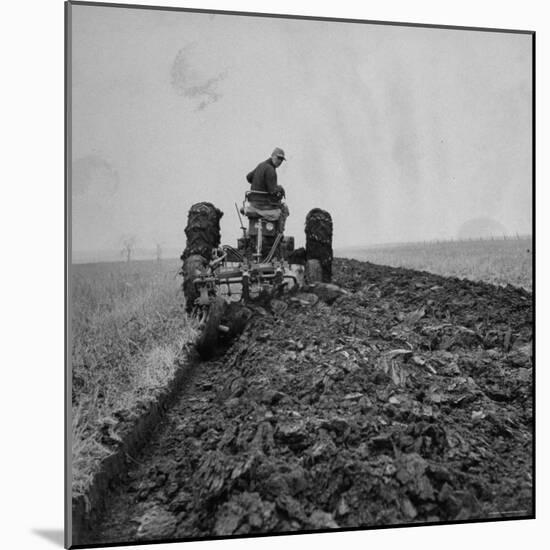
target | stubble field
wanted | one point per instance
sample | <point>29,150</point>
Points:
<point>128,327</point>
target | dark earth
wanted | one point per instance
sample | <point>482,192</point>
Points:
<point>406,397</point>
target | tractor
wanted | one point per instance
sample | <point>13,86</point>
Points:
<point>218,280</point>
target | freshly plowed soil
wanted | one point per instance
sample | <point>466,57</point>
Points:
<point>408,399</point>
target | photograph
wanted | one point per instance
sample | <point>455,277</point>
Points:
<point>299,274</point>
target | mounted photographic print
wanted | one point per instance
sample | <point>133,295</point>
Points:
<point>299,274</point>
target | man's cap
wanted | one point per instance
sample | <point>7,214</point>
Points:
<point>278,152</point>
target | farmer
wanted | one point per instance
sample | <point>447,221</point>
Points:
<point>264,178</point>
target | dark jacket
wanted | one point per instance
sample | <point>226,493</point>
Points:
<point>263,177</point>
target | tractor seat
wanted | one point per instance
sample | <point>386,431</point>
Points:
<point>253,212</point>
<point>260,204</point>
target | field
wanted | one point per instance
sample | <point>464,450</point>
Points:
<point>129,325</point>
<point>498,261</point>
<point>406,397</point>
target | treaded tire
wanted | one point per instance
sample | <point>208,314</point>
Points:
<point>193,267</point>
<point>318,231</point>
<point>314,271</point>
<point>208,339</point>
<point>203,235</point>
<point>202,230</point>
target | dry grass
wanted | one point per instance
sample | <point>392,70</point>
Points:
<point>499,261</point>
<point>128,328</point>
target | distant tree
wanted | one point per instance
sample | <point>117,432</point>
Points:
<point>128,246</point>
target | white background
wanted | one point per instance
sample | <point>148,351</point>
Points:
<point>32,108</point>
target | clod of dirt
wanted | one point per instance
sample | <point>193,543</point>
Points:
<point>322,520</point>
<point>327,292</point>
<point>304,299</point>
<point>156,523</point>
<point>292,432</point>
<point>245,513</point>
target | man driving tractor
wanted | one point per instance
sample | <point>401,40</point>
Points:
<point>265,194</point>
<point>263,264</point>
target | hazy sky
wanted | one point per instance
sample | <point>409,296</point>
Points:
<point>401,133</point>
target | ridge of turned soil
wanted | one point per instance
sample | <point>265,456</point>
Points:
<point>409,399</point>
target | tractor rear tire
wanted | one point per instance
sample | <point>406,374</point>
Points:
<point>208,339</point>
<point>319,241</point>
<point>203,235</point>
<point>314,272</point>
<point>202,230</point>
